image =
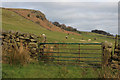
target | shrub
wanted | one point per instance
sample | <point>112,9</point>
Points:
<point>57,24</point>
<point>101,32</point>
<point>37,22</point>
<point>28,15</point>
<point>37,16</point>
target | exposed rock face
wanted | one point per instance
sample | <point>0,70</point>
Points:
<point>29,40</point>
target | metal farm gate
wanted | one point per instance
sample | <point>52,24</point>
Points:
<point>72,54</point>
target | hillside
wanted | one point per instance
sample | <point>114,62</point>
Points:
<point>38,18</point>
<point>24,20</point>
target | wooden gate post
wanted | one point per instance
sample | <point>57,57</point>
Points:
<point>116,41</point>
<point>107,53</point>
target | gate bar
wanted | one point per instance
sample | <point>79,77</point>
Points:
<point>74,43</point>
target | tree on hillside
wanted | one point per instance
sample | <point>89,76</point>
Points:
<point>57,24</point>
<point>28,15</point>
<point>63,26</point>
<point>101,32</point>
<point>69,28</point>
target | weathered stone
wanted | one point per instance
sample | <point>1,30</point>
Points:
<point>115,57</point>
<point>110,45</point>
<point>107,45</point>
<point>21,37</point>
<point>4,43</point>
<point>10,44</point>
<point>27,39</point>
<point>114,66</point>
<point>12,36</point>
<point>31,37</point>
<point>17,39</point>
<point>107,52</point>
<point>6,40</point>
<point>118,58</point>
<point>33,50</point>
<point>4,34</point>
<point>114,62</point>
<point>1,37</point>
<point>16,34</point>
<point>32,40</point>
<point>18,43</point>
<point>32,44</point>
<point>11,40</point>
<point>116,50</point>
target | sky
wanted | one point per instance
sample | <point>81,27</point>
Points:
<point>85,16</point>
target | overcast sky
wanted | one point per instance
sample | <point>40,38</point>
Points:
<point>85,16</point>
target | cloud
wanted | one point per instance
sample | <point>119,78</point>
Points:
<point>59,0</point>
<point>84,16</point>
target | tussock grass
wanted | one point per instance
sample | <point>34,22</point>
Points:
<point>15,55</point>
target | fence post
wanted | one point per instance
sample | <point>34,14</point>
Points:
<point>107,53</point>
<point>58,54</point>
<point>119,61</point>
<point>79,52</point>
<point>116,42</point>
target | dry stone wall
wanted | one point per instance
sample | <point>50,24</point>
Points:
<point>29,40</point>
<point>116,57</point>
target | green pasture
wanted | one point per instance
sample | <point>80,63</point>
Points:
<point>42,70</point>
<point>74,54</point>
<point>14,22</point>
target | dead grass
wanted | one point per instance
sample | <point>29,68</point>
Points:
<point>15,55</point>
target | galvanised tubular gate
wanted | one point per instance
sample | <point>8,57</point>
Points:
<point>80,54</point>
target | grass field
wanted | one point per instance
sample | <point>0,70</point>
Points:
<point>43,71</point>
<point>15,22</point>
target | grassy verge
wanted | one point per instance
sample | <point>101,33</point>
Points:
<point>45,71</point>
<point>41,70</point>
